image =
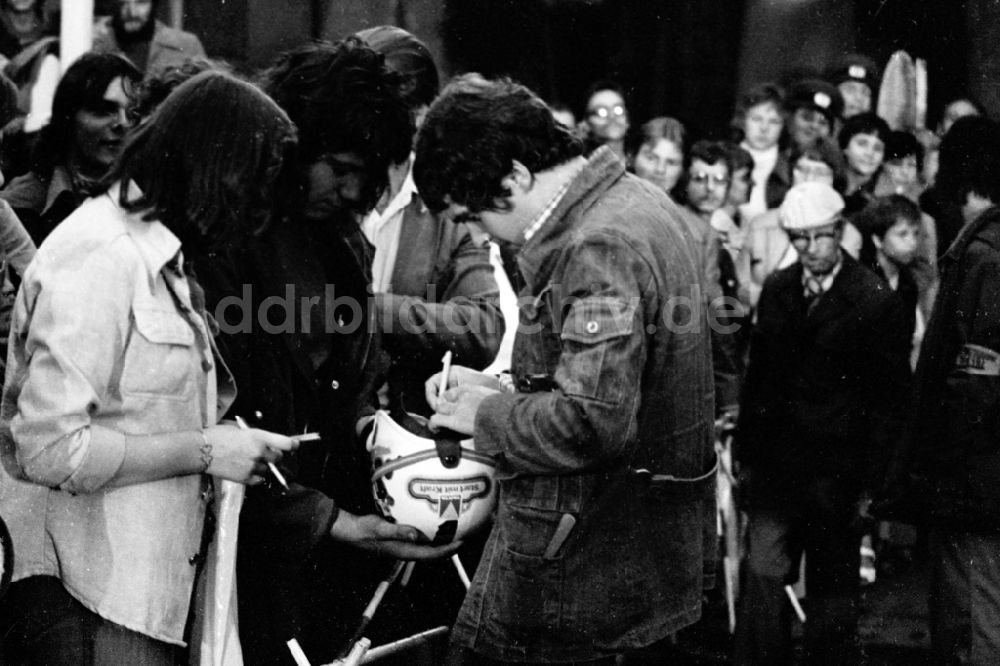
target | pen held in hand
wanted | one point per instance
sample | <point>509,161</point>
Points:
<point>270,465</point>
<point>445,371</point>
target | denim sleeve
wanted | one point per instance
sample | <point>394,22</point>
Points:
<point>590,418</point>
<point>71,322</point>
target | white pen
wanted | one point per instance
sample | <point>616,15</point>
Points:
<point>445,371</point>
<point>270,465</point>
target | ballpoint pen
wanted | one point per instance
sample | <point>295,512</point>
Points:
<point>270,465</point>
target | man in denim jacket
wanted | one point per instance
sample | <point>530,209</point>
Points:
<point>604,448</point>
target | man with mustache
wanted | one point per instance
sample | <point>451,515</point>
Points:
<point>135,33</point>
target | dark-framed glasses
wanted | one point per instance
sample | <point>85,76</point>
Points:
<point>806,238</point>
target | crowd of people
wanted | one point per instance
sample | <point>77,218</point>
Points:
<point>198,268</point>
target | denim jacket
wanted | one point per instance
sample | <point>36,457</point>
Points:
<point>615,388</point>
<point>104,343</point>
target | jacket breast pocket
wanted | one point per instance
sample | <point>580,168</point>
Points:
<point>597,349</point>
<point>160,358</point>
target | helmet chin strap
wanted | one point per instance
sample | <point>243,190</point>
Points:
<point>447,442</point>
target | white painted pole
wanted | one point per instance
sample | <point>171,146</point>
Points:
<point>77,30</point>
<point>177,14</point>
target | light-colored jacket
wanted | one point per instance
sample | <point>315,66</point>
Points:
<point>104,344</point>
<point>168,47</point>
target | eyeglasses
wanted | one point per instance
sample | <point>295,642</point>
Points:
<point>703,178</point>
<point>806,238</point>
<point>605,112</point>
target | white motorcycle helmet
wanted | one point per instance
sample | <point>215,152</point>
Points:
<point>436,483</point>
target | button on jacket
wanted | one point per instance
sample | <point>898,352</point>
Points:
<point>105,343</point>
<point>631,389</point>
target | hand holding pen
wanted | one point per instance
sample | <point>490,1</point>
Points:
<point>296,440</point>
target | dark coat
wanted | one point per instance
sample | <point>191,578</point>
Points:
<point>955,437</point>
<point>291,380</point>
<point>826,388</point>
<point>41,204</point>
<point>778,181</point>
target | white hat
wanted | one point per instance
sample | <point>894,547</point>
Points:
<point>810,205</point>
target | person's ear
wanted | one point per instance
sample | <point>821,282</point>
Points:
<point>519,178</point>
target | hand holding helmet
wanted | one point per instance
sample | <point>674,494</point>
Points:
<point>376,534</point>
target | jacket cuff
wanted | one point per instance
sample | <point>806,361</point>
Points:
<point>493,419</point>
<point>323,518</point>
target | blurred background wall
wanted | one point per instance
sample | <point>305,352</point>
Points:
<point>688,58</point>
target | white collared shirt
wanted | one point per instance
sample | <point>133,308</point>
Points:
<point>825,281</point>
<point>383,229</point>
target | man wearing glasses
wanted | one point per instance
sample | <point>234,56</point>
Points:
<point>606,122</point>
<point>706,189</point>
<point>708,178</point>
<point>826,387</point>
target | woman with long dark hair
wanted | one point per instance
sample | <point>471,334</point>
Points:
<point>90,117</point>
<point>115,388</point>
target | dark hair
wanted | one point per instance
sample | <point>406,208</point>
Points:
<point>863,123</point>
<point>939,114</point>
<point>410,58</point>
<point>156,89</point>
<point>739,158</point>
<point>826,151</point>
<point>764,93</point>
<point>882,213</point>
<point>342,99</point>
<point>598,86</point>
<point>208,160</point>
<point>878,217</point>
<point>663,127</point>
<point>710,152</point>
<point>81,87</point>
<point>473,134</point>
<point>969,160</point>
<point>901,144</point>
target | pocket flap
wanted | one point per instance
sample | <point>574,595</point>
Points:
<point>595,319</point>
<point>163,326</point>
